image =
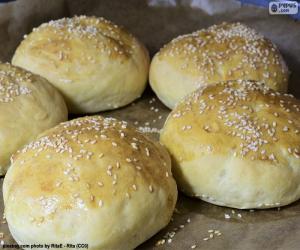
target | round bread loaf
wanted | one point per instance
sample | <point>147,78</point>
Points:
<point>29,105</point>
<point>93,62</point>
<point>220,53</point>
<point>93,181</point>
<point>236,144</point>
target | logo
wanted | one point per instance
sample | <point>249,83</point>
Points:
<point>283,8</point>
<point>274,8</point>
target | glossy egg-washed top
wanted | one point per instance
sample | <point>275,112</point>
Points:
<point>87,163</point>
<point>227,51</point>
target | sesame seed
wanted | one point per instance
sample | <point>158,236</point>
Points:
<point>285,129</point>
<point>186,127</point>
<point>134,146</point>
<point>147,151</point>
<point>148,129</point>
<point>206,128</point>
<point>58,184</point>
<point>160,242</point>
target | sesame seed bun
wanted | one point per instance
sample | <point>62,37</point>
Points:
<point>29,105</point>
<point>90,180</point>
<point>220,53</point>
<point>236,144</point>
<point>95,64</point>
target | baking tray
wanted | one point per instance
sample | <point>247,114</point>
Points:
<point>156,22</point>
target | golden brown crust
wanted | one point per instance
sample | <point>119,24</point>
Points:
<point>241,121</point>
<point>228,51</point>
<point>92,165</point>
<point>106,37</point>
<point>96,64</point>
<point>113,148</point>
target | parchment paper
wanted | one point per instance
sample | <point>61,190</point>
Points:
<point>156,22</point>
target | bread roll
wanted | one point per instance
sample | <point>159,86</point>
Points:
<point>28,106</point>
<point>93,181</point>
<point>236,144</point>
<point>222,52</point>
<point>93,62</point>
